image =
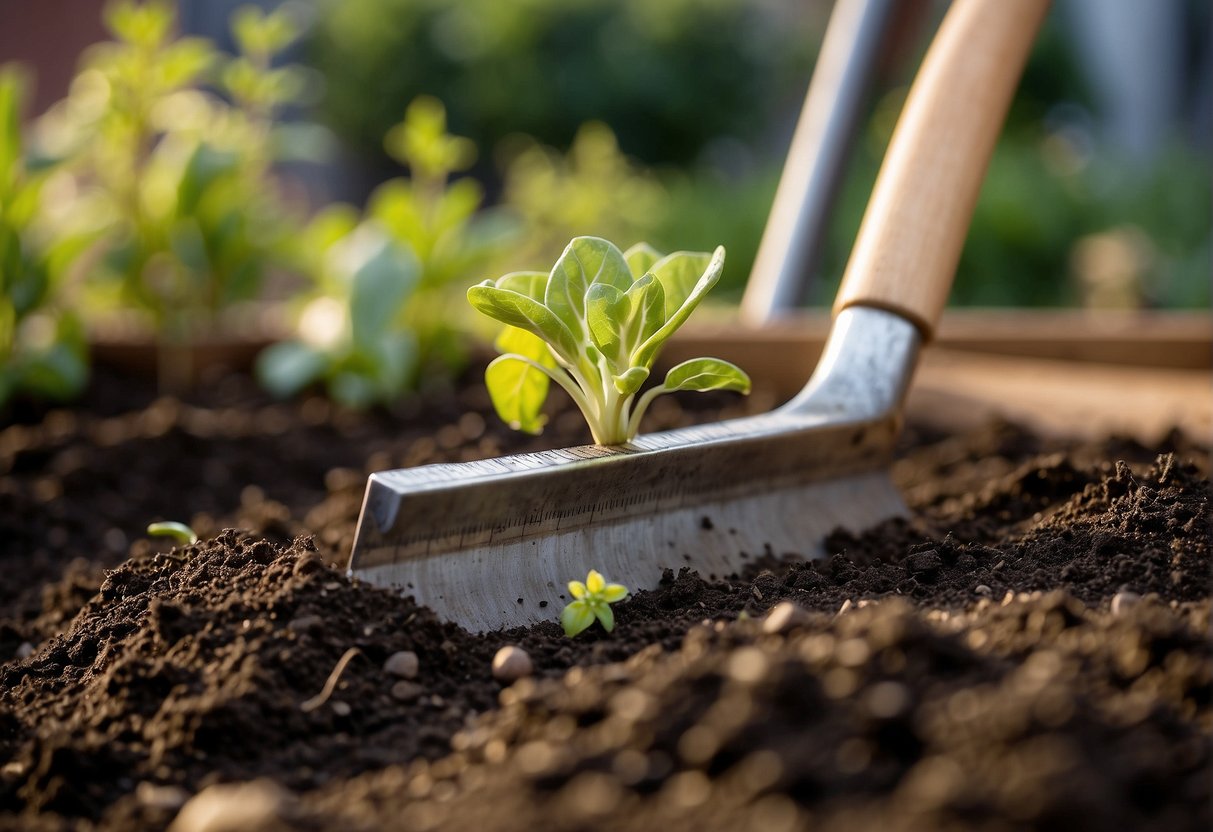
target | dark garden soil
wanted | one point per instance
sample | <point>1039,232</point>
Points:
<point>1031,650</point>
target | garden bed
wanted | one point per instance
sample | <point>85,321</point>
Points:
<point>1029,650</point>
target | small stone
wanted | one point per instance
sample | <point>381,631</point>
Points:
<point>1124,599</point>
<point>304,623</point>
<point>983,590</point>
<point>25,650</point>
<point>407,691</point>
<point>511,664</point>
<point>163,798</point>
<point>261,804</point>
<point>341,708</point>
<point>403,664</point>
<point>783,617</point>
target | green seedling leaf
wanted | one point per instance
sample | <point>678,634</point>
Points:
<point>179,531</point>
<point>606,313</point>
<point>629,382</point>
<point>707,374</point>
<point>518,310</point>
<point>518,392</point>
<point>647,351</point>
<point>585,261</point>
<point>518,387</point>
<point>641,258</point>
<point>531,284</point>
<point>591,600</point>
<point>679,274</point>
<point>646,311</point>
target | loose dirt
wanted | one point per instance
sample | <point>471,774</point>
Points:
<point>1029,650</point>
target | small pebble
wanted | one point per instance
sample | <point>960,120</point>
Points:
<point>1122,600</point>
<point>163,798</point>
<point>403,664</point>
<point>25,650</point>
<point>304,623</point>
<point>511,664</point>
<point>260,804</point>
<point>407,691</point>
<point>983,590</point>
<point>783,617</point>
<point>341,708</point>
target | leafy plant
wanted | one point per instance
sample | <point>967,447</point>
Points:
<point>42,348</point>
<point>438,219</point>
<point>177,178</point>
<point>355,334</point>
<point>595,325</point>
<point>591,600</point>
<point>169,528</point>
<point>380,305</point>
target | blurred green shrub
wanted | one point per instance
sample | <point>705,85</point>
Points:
<point>352,330</point>
<point>385,306</point>
<point>593,189</point>
<point>42,347</point>
<point>667,75</point>
<point>177,180</point>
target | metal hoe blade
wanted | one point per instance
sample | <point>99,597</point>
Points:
<point>486,543</point>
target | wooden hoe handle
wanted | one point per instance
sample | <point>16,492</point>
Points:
<point>909,242</point>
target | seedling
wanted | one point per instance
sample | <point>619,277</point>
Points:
<point>591,600</point>
<point>178,531</point>
<point>595,325</point>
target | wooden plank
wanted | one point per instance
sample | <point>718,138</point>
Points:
<point>1180,340</point>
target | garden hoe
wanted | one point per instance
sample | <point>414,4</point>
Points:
<point>492,544</point>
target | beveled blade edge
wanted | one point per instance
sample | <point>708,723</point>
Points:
<point>480,588</point>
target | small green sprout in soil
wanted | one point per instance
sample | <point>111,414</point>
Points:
<point>178,531</point>
<point>591,600</point>
<point>595,325</point>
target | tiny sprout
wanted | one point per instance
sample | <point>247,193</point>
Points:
<point>592,599</point>
<point>181,532</point>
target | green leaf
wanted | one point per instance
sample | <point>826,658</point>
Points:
<point>531,284</point>
<point>605,616</point>
<point>585,261</point>
<point>288,367</point>
<point>516,309</point>
<point>679,274</point>
<point>145,24</point>
<point>205,166</point>
<point>641,258</point>
<point>383,277</point>
<point>576,617</point>
<point>518,391</point>
<point>629,382</point>
<point>646,352</point>
<point>646,312</point>
<point>707,374</point>
<point>606,312</point>
<point>178,531</point>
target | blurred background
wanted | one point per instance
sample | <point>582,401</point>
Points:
<point>364,161</point>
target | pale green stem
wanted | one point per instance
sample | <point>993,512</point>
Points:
<point>558,375</point>
<point>641,406</point>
